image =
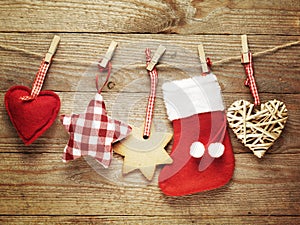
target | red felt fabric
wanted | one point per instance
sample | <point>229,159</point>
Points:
<point>31,118</point>
<point>183,177</point>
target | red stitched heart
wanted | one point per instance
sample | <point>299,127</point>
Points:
<point>31,118</point>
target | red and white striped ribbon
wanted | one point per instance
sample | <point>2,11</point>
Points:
<point>250,81</point>
<point>150,107</point>
<point>38,82</point>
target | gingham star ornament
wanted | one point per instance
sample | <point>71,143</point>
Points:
<point>93,132</point>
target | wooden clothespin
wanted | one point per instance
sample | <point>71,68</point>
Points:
<point>110,51</point>
<point>202,58</point>
<point>52,48</point>
<point>245,50</point>
<point>157,55</point>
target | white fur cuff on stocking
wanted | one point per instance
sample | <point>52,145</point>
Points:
<point>199,94</point>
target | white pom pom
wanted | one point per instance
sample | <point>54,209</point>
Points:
<point>216,150</point>
<point>197,149</point>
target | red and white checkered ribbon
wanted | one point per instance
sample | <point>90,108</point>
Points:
<point>38,82</point>
<point>250,81</point>
<point>150,107</point>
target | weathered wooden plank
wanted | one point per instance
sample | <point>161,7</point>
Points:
<point>130,107</point>
<point>72,69</point>
<point>252,17</point>
<point>144,220</point>
<point>127,16</point>
<point>40,184</point>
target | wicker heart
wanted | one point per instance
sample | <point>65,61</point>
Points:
<point>257,128</point>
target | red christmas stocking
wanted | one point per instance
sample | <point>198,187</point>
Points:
<point>202,153</point>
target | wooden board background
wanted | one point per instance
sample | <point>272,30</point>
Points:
<point>37,188</point>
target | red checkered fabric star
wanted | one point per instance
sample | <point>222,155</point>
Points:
<point>93,132</point>
<point>150,107</point>
<point>250,81</point>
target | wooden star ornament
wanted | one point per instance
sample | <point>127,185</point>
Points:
<point>144,154</point>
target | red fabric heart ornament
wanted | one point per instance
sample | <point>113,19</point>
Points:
<point>31,118</point>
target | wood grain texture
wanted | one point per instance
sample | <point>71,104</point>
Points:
<point>41,184</point>
<point>144,16</point>
<point>145,220</point>
<point>37,188</point>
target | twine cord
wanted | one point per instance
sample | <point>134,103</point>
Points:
<point>258,54</point>
<point>220,62</point>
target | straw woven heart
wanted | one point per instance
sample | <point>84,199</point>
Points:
<point>257,128</point>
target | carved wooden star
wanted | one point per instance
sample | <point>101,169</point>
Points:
<point>144,154</point>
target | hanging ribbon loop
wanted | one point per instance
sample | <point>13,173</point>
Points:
<point>38,82</point>
<point>108,68</point>
<point>150,107</point>
<point>41,74</point>
<point>106,65</point>
<point>250,81</point>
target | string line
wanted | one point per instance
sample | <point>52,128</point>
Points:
<point>258,54</point>
<point>220,62</point>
